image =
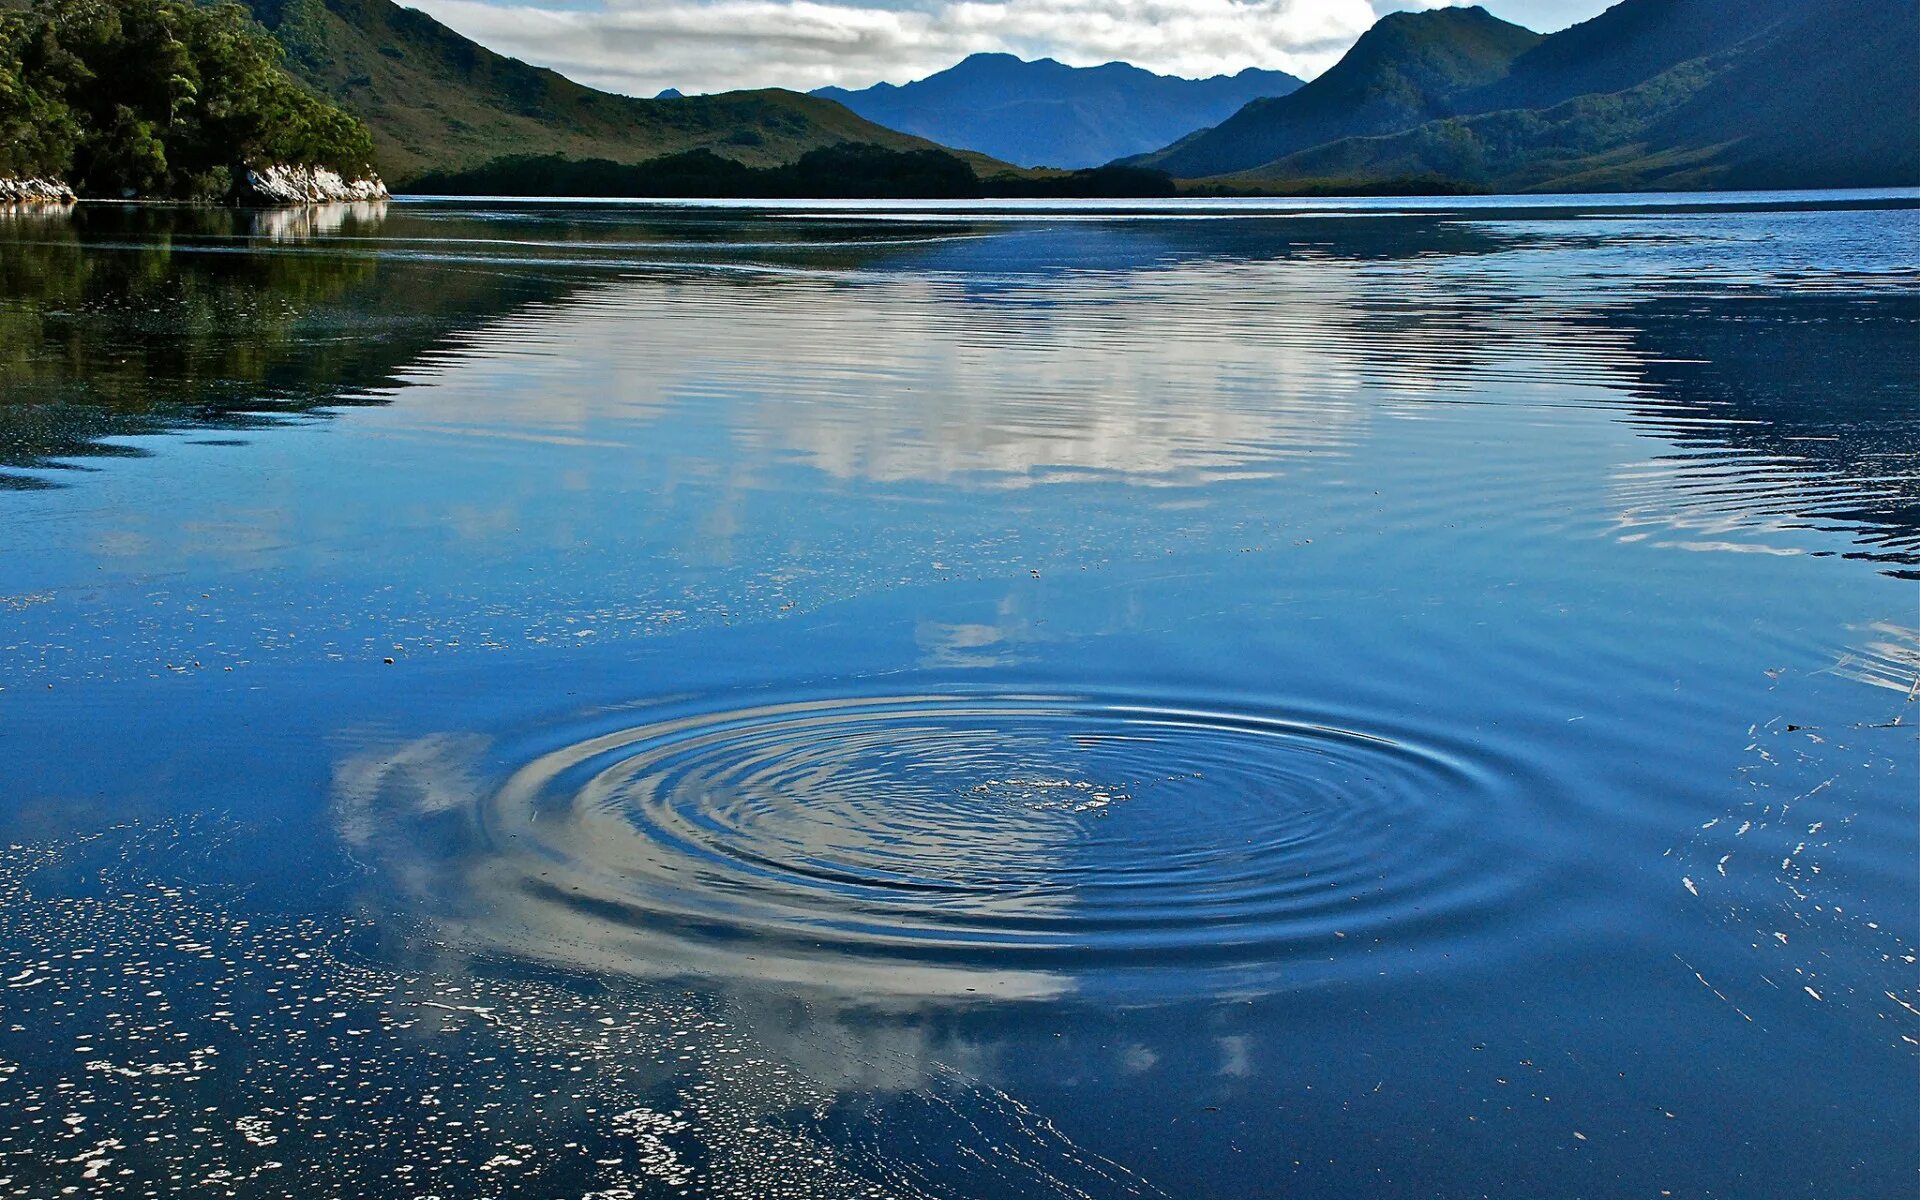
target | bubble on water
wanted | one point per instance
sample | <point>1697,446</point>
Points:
<point>244,1055</point>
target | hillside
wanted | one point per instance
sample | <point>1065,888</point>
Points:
<point>161,98</point>
<point>1405,70</point>
<point>1045,113</point>
<point>1797,93</point>
<point>1623,47</point>
<point>438,101</point>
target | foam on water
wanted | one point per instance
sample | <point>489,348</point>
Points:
<point>157,1039</point>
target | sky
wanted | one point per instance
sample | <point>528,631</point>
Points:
<point>641,46</point>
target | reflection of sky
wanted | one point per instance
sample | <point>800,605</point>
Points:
<point>1323,470</point>
<point>571,880</point>
<point>999,411</point>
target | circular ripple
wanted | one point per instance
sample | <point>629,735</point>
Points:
<point>1004,843</point>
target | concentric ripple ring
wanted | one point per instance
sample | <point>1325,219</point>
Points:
<point>1007,843</point>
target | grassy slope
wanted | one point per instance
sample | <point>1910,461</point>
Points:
<point>439,101</point>
<point>1400,73</point>
<point>1829,96</point>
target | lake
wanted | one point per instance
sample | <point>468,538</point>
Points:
<point>1196,699</point>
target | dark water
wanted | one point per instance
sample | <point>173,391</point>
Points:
<point>1199,701</point>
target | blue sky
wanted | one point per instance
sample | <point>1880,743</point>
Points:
<point>641,46</point>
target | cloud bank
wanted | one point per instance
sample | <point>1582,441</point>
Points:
<point>641,46</point>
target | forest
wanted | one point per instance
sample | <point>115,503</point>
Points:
<point>158,98</point>
<point>848,171</point>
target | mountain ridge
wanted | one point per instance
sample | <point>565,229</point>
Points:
<point>439,101</point>
<point>1685,94</point>
<point>1400,72</point>
<point>1044,113</point>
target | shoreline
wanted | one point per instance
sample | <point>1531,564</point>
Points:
<point>277,186</point>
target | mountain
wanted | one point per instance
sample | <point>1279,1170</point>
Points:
<point>1668,94</point>
<point>1623,47</point>
<point>438,101</point>
<point>1402,72</point>
<point>1046,113</point>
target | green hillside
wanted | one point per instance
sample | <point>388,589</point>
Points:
<point>1403,71</point>
<point>157,98</point>
<point>1623,47</point>
<point>437,101</point>
<point>1806,93</point>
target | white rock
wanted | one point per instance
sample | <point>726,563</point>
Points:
<point>282,184</point>
<point>30,190</point>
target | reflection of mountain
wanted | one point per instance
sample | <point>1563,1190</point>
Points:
<point>960,349</point>
<point>129,321</point>
<point>1790,409</point>
<point>1154,352</point>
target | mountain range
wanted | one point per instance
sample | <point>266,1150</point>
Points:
<point>1047,114</point>
<point>438,101</point>
<point>1650,94</point>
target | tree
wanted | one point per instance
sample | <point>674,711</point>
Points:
<point>158,98</point>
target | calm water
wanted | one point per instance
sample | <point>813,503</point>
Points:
<point>581,700</point>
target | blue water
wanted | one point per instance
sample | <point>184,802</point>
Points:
<point>1205,700</point>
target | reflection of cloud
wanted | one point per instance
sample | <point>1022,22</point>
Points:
<point>1889,658</point>
<point>1051,391</point>
<point>422,780</point>
<point>583,882</point>
<point>1236,1056</point>
<point>977,643</point>
<point>1147,377</point>
<point>658,1092</point>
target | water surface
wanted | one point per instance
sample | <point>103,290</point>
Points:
<point>1330,699</point>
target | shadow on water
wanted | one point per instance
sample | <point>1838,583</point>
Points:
<point>127,321</point>
<point>1790,408</point>
<point>805,701</point>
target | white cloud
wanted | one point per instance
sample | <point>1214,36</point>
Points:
<point>641,46</point>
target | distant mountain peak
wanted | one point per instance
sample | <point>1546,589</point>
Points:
<point>1651,94</point>
<point>1042,112</point>
<point>1400,72</point>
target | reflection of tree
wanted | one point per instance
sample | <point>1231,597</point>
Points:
<point>129,320</point>
<point>1810,403</point>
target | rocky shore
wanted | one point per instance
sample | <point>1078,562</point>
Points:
<point>305,185</point>
<point>30,190</point>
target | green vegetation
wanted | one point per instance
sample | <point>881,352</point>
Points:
<point>1401,72</point>
<point>851,171</point>
<point>1846,119</point>
<point>1650,95</point>
<point>439,103</point>
<point>157,334</point>
<point>159,98</point>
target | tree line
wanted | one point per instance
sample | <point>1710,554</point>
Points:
<point>158,98</point>
<point>849,171</point>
